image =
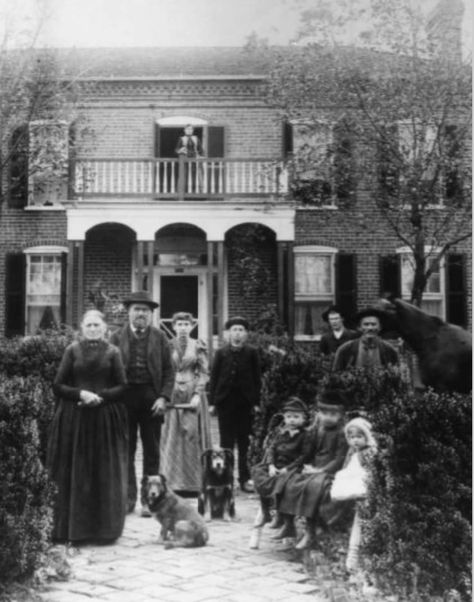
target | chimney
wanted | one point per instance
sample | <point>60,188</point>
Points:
<point>444,28</point>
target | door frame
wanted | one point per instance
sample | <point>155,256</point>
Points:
<point>202,301</point>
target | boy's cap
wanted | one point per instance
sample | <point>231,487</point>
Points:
<point>332,399</point>
<point>236,321</point>
<point>295,404</point>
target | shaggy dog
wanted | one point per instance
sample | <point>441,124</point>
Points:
<point>217,494</point>
<point>177,518</point>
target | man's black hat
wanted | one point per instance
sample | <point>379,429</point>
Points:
<point>236,321</point>
<point>141,297</point>
<point>335,309</point>
<point>332,399</point>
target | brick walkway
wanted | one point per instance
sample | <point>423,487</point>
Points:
<point>138,569</point>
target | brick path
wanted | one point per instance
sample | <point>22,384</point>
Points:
<point>138,569</point>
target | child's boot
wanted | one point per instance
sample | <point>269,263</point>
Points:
<point>264,514</point>
<point>277,521</point>
<point>288,529</point>
<point>308,538</point>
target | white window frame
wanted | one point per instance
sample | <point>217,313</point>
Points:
<point>406,252</point>
<point>40,251</point>
<point>329,297</point>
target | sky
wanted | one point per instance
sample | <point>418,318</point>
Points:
<point>128,23</point>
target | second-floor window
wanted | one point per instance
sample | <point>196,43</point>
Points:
<point>323,162</point>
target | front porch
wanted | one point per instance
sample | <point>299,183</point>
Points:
<point>183,259</point>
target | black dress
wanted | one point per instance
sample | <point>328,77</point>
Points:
<point>87,448</point>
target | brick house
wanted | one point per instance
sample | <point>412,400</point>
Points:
<point>133,215</point>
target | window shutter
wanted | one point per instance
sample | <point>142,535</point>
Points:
<point>157,140</point>
<point>15,294</point>
<point>346,285</point>
<point>343,166</point>
<point>215,141</point>
<point>453,184</point>
<point>63,299</point>
<point>456,311</point>
<point>390,275</point>
<point>287,139</point>
<point>19,147</point>
<point>388,172</point>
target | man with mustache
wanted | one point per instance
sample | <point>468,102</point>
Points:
<point>150,375</point>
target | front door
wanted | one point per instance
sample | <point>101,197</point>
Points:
<point>182,292</point>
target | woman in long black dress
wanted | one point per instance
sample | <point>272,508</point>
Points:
<point>87,448</point>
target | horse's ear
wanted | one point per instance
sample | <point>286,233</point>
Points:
<point>388,296</point>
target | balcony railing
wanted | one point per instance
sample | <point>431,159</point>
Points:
<point>179,178</point>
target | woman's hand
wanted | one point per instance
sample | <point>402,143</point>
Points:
<point>272,470</point>
<point>88,398</point>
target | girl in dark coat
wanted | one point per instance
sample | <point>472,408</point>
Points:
<point>87,448</point>
<point>304,492</point>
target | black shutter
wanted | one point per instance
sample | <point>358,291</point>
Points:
<point>390,275</point>
<point>343,166</point>
<point>456,310</point>
<point>63,299</point>
<point>215,141</point>
<point>287,139</point>
<point>388,170</point>
<point>15,294</point>
<point>346,286</point>
<point>18,176</point>
<point>157,140</point>
<point>453,184</point>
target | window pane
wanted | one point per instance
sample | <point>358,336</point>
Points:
<point>43,298</point>
<point>308,320</point>
<point>42,317</point>
<point>432,286</point>
<point>313,275</point>
<point>432,307</point>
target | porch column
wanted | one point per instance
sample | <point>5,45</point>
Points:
<point>80,279</point>
<point>150,253</point>
<point>69,282</point>
<point>140,264</point>
<point>210,297</point>
<point>220,288</point>
<point>281,280</point>
<point>291,289</point>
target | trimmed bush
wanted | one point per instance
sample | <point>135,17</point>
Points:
<point>26,495</point>
<point>27,369</point>
<point>417,529</point>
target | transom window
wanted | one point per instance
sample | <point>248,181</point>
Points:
<point>314,288</point>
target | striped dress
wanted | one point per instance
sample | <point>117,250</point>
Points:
<point>186,433</point>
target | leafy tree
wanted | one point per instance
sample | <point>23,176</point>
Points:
<point>36,108</point>
<point>403,116</point>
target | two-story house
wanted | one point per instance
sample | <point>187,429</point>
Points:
<point>135,214</point>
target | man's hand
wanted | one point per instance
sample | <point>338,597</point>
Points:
<point>308,469</point>
<point>195,402</point>
<point>212,410</point>
<point>159,407</point>
<point>272,470</point>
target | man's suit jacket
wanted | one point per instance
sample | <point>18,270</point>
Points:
<point>346,355</point>
<point>159,362</point>
<point>248,378</point>
<point>329,344</point>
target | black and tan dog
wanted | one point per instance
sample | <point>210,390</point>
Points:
<point>217,493</point>
<point>178,519</point>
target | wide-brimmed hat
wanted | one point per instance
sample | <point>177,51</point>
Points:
<point>236,321</point>
<point>332,399</point>
<point>332,309</point>
<point>370,312</point>
<point>141,297</point>
<point>295,404</point>
<point>364,426</point>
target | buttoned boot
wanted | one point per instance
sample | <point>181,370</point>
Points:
<point>308,538</point>
<point>288,529</point>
